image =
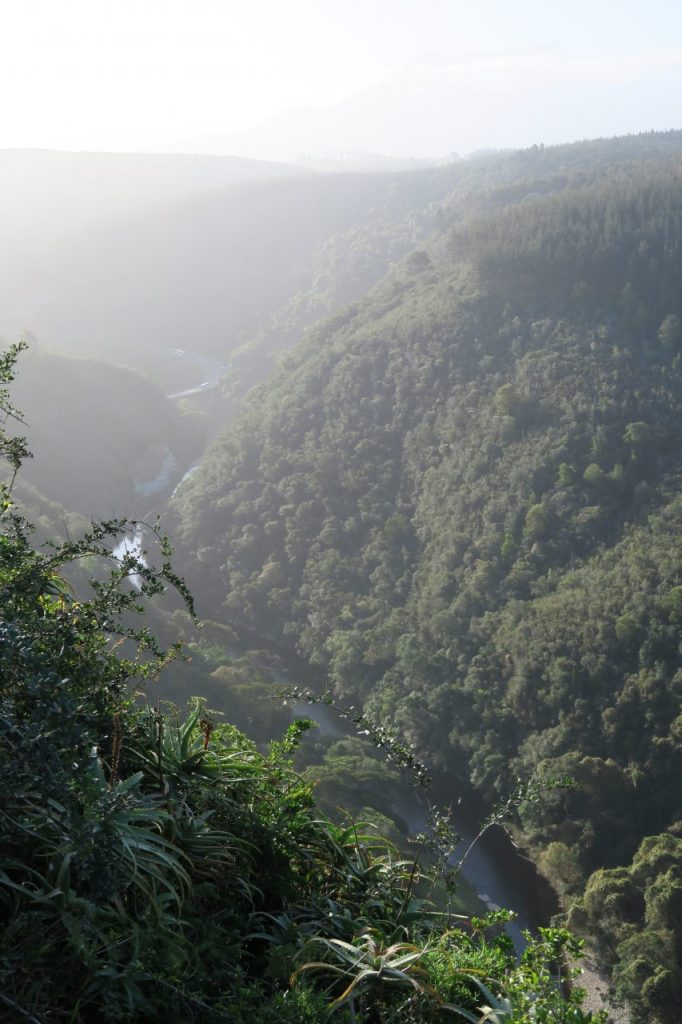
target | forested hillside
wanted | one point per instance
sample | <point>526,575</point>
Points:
<point>461,498</point>
<point>105,439</point>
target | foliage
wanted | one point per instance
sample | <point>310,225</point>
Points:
<point>635,912</point>
<point>371,966</point>
<point>523,993</point>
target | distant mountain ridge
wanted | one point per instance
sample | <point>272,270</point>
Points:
<point>93,185</point>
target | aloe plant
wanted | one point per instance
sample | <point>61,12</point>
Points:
<point>368,967</point>
<point>496,1010</point>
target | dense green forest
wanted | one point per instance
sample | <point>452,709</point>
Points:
<point>156,864</point>
<point>460,499</point>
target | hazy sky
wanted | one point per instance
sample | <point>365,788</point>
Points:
<point>145,74</point>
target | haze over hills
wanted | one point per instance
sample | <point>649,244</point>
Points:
<point>214,265</point>
<point>63,193</point>
<point>51,201</point>
<point>121,256</point>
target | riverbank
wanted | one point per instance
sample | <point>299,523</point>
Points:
<point>496,869</point>
<point>596,986</point>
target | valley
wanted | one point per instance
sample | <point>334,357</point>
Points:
<point>415,437</point>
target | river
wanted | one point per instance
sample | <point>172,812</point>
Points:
<point>497,870</point>
<point>208,372</point>
<point>206,369</point>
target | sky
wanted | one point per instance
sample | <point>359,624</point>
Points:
<point>162,74</point>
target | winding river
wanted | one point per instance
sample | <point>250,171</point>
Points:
<point>494,867</point>
<point>498,871</point>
